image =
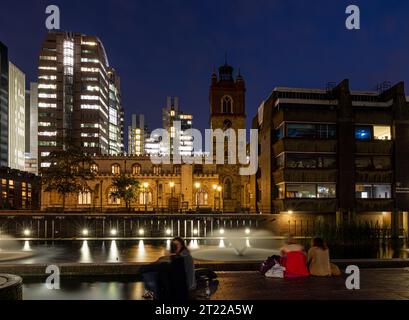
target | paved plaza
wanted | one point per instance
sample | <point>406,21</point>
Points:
<point>376,284</point>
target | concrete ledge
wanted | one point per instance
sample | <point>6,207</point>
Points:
<point>11,287</point>
<point>133,269</point>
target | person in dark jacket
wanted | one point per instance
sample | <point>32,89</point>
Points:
<point>179,248</point>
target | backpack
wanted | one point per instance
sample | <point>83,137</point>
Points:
<point>269,263</point>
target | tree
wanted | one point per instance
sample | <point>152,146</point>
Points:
<point>69,172</point>
<point>125,188</point>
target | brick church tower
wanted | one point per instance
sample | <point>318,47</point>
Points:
<point>227,110</point>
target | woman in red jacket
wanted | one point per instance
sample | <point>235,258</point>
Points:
<point>294,260</point>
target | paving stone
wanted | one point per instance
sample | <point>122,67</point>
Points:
<point>376,284</point>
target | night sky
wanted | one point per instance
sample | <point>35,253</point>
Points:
<point>162,48</point>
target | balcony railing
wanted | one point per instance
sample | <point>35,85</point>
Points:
<point>370,205</point>
<point>307,175</point>
<point>373,176</point>
<point>304,145</point>
<point>374,147</point>
<point>305,205</point>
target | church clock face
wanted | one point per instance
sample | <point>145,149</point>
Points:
<point>227,124</point>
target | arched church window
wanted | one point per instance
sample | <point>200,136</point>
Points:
<point>227,189</point>
<point>227,104</point>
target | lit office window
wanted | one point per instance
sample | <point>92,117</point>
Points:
<point>68,57</point>
<point>363,133</point>
<point>382,132</point>
<point>373,191</point>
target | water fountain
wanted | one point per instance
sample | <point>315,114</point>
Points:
<point>10,249</point>
<point>235,245</point>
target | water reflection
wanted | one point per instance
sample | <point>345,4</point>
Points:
<point>222,244</point>
<point>194,244</point>
<point>113,255</point>
<point>27,246</point>
<point>85,256</point>
<point>76,290</point>
<point>147,250</point>
<point>141,251</point>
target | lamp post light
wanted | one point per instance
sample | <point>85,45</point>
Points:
<point>172,186</point>
<point>197,186</point>
<point>145,186</point>
<point>219,189</point>
<point>214,196</point>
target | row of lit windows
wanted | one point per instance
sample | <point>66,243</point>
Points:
<point>51,58</point>
<point>44,124</point>
<point>85,197</point>
<point>89,135</point>
<point>89,125</point>
<point>329,131</point>
<point>94,107</point>
<point>47,143</point>
<point>328,190</point>
<point>47,77</point>
<point>90,144</point>
<point>47,68</point>
<point>47,105</point>
<point>47,86</point>
<point>47,95</point>
<point>47,133</point>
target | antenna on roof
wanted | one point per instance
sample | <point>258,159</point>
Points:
<point>330,85</point>
<point>383,86</point>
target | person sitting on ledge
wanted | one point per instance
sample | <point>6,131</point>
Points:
<point>294,260</point>
<point>318,258</point>
<point>171,277</point>
<point>179,248</point>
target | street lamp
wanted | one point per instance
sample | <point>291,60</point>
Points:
<point>171,185</point>
<point>219,189</point>
<point>197,186</point>
<point>145,185</point>
<point>214,196</point>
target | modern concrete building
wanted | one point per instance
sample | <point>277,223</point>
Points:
<point>19,190</point>
<point>31,129</point>
<point>334,155</point>
<point>78,96</point>
<point>4,105</point>
<point>137,135</point>
<point>17,84</point>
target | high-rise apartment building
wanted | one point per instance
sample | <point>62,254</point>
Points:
<point>4,104</point>
<point>31,129</point>
<point>17,90</point>
<point>137,135</point>
<point>78,96</point>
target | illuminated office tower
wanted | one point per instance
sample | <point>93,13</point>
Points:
<point>177,122</point>
<point>4,105</point>
<point>17,84</point>
<point>116,115</point>
<point>78,97</point>
<point>31,129</point>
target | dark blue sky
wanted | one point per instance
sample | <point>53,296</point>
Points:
<point>169,47</point>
